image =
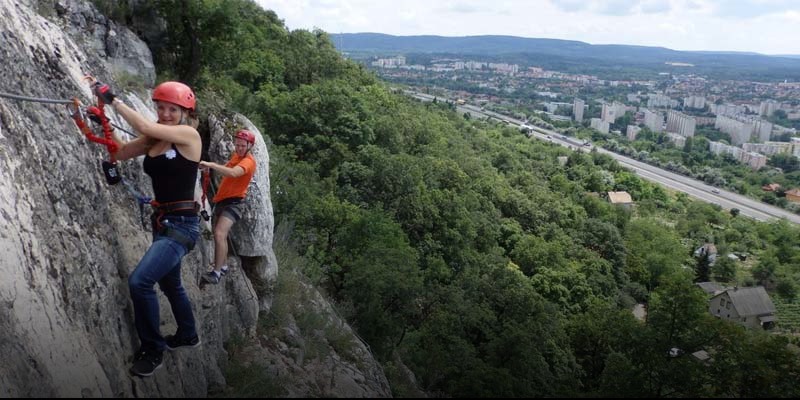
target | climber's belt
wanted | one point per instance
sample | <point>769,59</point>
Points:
<point>164,214</point>
<point>174,207</point>
<point>166,228</point>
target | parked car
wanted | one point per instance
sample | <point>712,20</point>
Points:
<point>715,191</point>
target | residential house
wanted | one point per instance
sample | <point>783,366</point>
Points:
<point>622,198</point>
<point>771,187</point>
<point>793,195</point>
<point>711,288</point>
<point>748,306</point>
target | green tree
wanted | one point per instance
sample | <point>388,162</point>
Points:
<point>381,281</point>
<point>656,361</point>
<point>724,269</point>
<point>787,162</point>
<point>593,337</point>
<point>653,251</point>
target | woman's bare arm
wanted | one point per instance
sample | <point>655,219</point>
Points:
<point>178,134</point>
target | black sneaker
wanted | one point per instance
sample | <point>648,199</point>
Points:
<point>223,271</point>
<point>212,277</point>
<point>145,363</point>
<point>173,342</point>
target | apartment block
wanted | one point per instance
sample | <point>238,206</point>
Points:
<point>677,139</point>
<point>632,131</point>
<point>680,123</point>
<point>768,107</point>
<point>727,109</point>
<point>655,100</point>
<point>600,125</point>
<point>772,148</point>
<point>696,102</point>
<point>753,160</point>
<point>612,111</point>
<point>742,128</point>
<point>577,109</point>
<point>653,120</point>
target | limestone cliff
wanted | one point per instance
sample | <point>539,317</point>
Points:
<point>68,241</point>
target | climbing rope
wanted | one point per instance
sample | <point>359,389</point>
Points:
<point>34,99</point>
<point>56,101</point>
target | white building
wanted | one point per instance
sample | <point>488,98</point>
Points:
<point>696,102</point>
<point>680,123</point>
<point>577,109</point>
<point>677,139</point>
<point>393,62</point>
<point>632,131</point>
<point>653,120</point>
<point>612,111</point>
<point>742,128</point>
<point>772,148</point>
<point>600,125</point>
<point>473,65</point>
<point>768,107</point>
<point>504,68</point>
<point>727,109</point>
<point>655,100</point>
<point>754,160</point>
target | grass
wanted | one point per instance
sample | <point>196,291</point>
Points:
<point>247,381</point>
<point>788,315</point>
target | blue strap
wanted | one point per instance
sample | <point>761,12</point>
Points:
<point>140,198</point>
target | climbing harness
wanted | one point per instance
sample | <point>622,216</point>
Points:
<point>160,226</point>
<point>97,114</point>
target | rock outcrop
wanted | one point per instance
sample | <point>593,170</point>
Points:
<point>68,241</point>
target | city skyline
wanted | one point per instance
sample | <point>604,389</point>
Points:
<point>760,26</point>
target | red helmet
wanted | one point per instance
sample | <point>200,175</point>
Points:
<point>248,136</point>
<point>175,93</point>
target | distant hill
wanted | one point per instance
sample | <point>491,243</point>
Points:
<point>603,58</point>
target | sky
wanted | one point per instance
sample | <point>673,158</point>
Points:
<point>761,26</point>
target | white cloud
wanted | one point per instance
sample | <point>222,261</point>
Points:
<point>723,25</point>
<point>655,6</point>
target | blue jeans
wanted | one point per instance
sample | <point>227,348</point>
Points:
<point>162,263</point>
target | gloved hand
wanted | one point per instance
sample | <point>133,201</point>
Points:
<point>103,92</point>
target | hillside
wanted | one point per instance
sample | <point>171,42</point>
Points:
<point>595,58</point>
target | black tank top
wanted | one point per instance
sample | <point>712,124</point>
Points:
<point>174,177</point>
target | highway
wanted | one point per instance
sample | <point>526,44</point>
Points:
<point>694,188</point>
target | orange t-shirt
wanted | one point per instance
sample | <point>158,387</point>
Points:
<point>237,187</point>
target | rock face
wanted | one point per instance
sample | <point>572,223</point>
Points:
<point>68,241</point>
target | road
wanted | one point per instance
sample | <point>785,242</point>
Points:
<point>694,188</point>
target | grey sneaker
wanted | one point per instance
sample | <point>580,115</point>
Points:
<point>173,342</point>
<point>212,277</point>
<point>145,363</point>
